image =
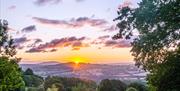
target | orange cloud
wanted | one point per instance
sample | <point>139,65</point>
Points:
<point>75,43</point>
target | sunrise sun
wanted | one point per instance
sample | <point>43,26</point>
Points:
<point>77,60</point>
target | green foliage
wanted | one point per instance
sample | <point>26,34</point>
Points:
<point>10,73</point>
<point>111,85</point>
<point>49,81</point>
<point>6,42</point>
<point>167,77</point>
<point>132,89</point>
<point>32,89</point>
<point>82,87</point>
<point>68,83</point>
<point>56,87</point>
<point>138,86</point>
<point>28,72</point>
<point>157,45</point>
<point>151,88</point>
<point>10,78</point>
<point>32,80</point>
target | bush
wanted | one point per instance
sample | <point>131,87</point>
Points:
<point>132,89</point>
<point>111,85</point>
<point>82,87</point>
<point>138,86</point>
<point>32,80</point>
<point>68,82</point>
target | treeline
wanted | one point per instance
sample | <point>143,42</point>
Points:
<point>56,83</point>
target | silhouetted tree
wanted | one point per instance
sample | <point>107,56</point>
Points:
<point>111,85</point>
<point>68,83</point>
<point>138,86</point>
<point>158,26</point>
<point>132,89</point>
<point>49,81</point>
<point>56,87</point>
<point>10,73</point>
<point>33,80</point>
<point>82,87</point>
<point>28,72</point>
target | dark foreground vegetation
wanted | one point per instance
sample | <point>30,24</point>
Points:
<point>55,83</point>
<point>156,49</point>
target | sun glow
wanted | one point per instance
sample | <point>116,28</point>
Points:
<point>77,60</point>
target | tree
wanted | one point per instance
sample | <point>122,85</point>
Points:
<point>105,85</point>
<point>138,86</point>
<point>132,89</point>
<point>49,81</point>
<point>28,72</point>
<point>158,27</point>
<point>56,87</point>
<point>10,73</point>
<point>167,77</point>
<point>82,87</point>
<point>111,85</point>
<point>68,82</point>
<point>33,80</point>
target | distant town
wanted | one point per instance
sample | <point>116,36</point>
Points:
<point>96,72</point>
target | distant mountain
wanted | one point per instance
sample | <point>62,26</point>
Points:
<point>95,72</point>
<point>49,63</point>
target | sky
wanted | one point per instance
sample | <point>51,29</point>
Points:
<point>66,30</point>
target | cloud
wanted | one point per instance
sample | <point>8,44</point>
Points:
<point>29,29</point>
<point>111,28</point>
<point>73,23</point>
<point>18,42</point>
<point>100,40</point>
<point>117,44</point>
<point>106,41</point>
<point>11,29</point>
<point>23,42</point>
<point>45,2</point>
<point>36,50</point>
<point>33,50</point>
<point>79,0</point>
<point>12,7</point>
<point>50,2</point>
<point>104,37</point>
<point>53,50</point>
<point>126,3</point>
<point>73,42</point>
<point>129,3</point>
<point>35,42</point>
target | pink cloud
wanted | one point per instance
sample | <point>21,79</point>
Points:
<point>73,42</point>
<point>126,3</point>
<point>73,23</point>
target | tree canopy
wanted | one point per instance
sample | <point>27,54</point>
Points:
<point>10,73</point>
<point>137,86</point>
<point>29,72</point>
<point>156,24</point>
<point>69,83</point>
<point>111,85</point>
